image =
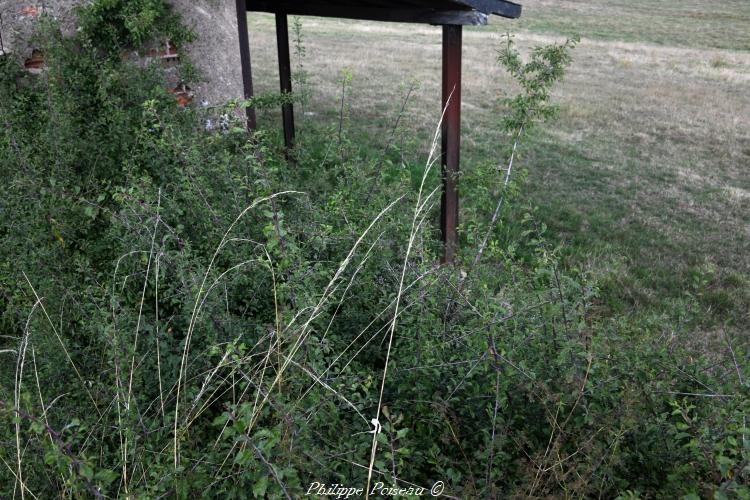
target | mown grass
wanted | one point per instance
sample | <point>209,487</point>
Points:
<point>692,23</point>
<point>644,177</point>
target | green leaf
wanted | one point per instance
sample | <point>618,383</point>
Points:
<point>260,486</point>
<point>105,476</point>
<point>244,457</point>
<point>86,471</point>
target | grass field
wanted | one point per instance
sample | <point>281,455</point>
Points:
<point>644,177</point>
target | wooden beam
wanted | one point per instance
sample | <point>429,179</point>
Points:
<point>285,77</point>
<point>401,15</point>
<point>247,72</point>
<point>451,139</point>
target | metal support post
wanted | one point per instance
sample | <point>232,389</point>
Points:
<point>451,139</point>
<point>247,73</point>
<point>285,77</point>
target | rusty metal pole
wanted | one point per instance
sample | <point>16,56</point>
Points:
<point>247,73</point>
<point>451,139</point>
<point>285,77</point>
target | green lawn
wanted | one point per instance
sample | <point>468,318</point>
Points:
<point>691,23</point>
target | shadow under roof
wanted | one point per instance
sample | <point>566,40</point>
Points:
<point>451,14</point>
<point>456,12</point>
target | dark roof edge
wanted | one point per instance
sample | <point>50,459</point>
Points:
<point>499,7</point>
<point>470,17</point>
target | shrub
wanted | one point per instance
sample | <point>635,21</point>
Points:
<point>190,315</point>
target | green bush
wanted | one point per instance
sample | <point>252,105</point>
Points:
<point>189,313</point>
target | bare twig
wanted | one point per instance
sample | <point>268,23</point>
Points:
<point>494,429</point>
<point>500,203</point>
<point>272,471</point>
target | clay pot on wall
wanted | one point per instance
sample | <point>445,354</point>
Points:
<point>182,94</point>
<point>35,64</point>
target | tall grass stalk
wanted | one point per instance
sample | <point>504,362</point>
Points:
<point>418,211</point>
<point>20,360</point>
<point>137,332</point>
<point>196,310</point>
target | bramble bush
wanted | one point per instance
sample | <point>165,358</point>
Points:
<point>186,312</point>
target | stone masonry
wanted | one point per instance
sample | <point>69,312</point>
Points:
<point>214,52</point>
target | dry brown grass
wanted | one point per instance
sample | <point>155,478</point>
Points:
<point>636,92</point>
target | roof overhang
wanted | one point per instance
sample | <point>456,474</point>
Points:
<point>458,12</point>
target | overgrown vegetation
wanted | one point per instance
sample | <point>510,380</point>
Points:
<point>186,313</point>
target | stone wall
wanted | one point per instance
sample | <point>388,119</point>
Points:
<point>215,52</point>
<point>18,20</point>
